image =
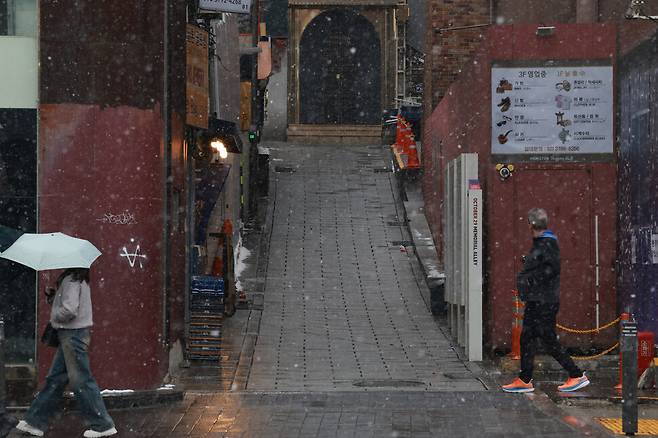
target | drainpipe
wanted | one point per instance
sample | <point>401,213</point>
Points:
<point>255,111</point>
<point>166,119</point>
<point>587,11</point>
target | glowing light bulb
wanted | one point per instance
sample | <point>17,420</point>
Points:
<point>219,148</point>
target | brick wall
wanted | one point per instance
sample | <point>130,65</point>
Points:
<point>449,51</point>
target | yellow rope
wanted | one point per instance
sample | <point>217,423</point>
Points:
<point>596,355</point>
<point>570,330</point>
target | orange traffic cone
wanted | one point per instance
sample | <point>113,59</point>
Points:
<point>517,326</point>
<point>412,161</point>
<point>227,227</point>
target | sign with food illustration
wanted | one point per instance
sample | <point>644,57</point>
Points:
<point>552,113</point>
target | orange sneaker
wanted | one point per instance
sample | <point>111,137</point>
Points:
<point>574,384</point>
<point>519,385</point>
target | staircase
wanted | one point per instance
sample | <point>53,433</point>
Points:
<point>334,134</point>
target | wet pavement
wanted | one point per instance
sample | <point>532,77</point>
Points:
<point>339,340</point>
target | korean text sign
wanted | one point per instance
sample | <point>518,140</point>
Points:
<point>552,111</point>
<point>235,6</point>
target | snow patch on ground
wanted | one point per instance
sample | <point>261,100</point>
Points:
<point>241,254</point>
<point>433,272</point>
<point>117,391</point>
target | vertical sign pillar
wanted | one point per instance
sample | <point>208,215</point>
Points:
<point>2,368</point>
<point>628,347</point>
<point>474,303</point>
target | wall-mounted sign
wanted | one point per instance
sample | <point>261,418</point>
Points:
<point>552,113</point>
<point>235,6</point>
<point>198,103</point>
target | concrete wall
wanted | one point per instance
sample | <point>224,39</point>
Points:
<point>19,72</point>
<point>112,163</point>
<point>573,193</point>
<point>276,106</point>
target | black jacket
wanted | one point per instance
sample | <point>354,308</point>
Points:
<point>539,280</point>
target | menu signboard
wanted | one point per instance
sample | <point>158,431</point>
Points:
<point>556,113</point>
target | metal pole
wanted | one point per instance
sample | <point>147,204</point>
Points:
<point>598,267</point>
<point>254,125</point>
<point>7,422</point>
<point>628,348</point>
<point>3,391</point>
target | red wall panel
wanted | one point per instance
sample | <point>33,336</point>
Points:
<point>101,178</point>
<point>461,123</point>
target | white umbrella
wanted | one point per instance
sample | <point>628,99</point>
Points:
<point>51,251</point>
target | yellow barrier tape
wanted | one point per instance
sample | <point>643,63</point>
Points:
<point>596,356</point>
<point>570,330</point>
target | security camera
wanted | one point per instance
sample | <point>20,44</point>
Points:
<point>505,170</point>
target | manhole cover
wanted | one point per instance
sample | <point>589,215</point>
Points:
<point>374,383</point>
<point>284,169</point>
<point>402,243</point>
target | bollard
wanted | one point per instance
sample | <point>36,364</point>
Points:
<point>628,348</point>
<point>3,391</point>
<point>517,326</point>
<point>7,422</point>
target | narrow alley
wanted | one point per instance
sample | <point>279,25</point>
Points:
<point>343,308</point>
<point>345,344</point>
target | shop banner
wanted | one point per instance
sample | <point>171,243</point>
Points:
<point>552,113</point>
<point>197,88</point>
<point>235,6</point>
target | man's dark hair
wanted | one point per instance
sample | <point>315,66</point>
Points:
<point>538,219</point>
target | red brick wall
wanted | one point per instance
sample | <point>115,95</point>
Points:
<point>449,51</point>
<point>462,123</point>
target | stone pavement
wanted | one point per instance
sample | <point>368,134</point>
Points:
<point>343,307</point>
<point>344,344</point>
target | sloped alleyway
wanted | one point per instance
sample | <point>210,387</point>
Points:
<point>343,308</point>
<point>343,344</point>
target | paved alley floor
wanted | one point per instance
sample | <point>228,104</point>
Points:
<point>343,309</point>
<point>344,345</point>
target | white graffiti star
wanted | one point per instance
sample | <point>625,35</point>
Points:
<point>133,257</point>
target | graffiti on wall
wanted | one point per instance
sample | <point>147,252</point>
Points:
<point>125,218</point>
<point>134,257</point>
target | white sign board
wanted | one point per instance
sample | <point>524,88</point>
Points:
<point>236,6</point>
<point>474,306</point>
<point>551,112</point>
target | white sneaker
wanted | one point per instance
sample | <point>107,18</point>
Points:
<point>24,426</point>
<point>91,433</point>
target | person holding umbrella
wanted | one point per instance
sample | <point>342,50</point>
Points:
<point>71,316</point>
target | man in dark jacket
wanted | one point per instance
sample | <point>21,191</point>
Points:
<point>538,285</point>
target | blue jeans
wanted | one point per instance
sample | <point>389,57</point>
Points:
<point>70,366</point>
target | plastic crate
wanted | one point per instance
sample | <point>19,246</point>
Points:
<point>207,285</point>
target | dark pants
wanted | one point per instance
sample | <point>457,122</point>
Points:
<point>539,323</point>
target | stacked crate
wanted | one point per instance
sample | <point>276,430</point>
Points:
<point>206,312</point>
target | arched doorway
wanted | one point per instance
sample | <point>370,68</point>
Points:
<point>340,69</point>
